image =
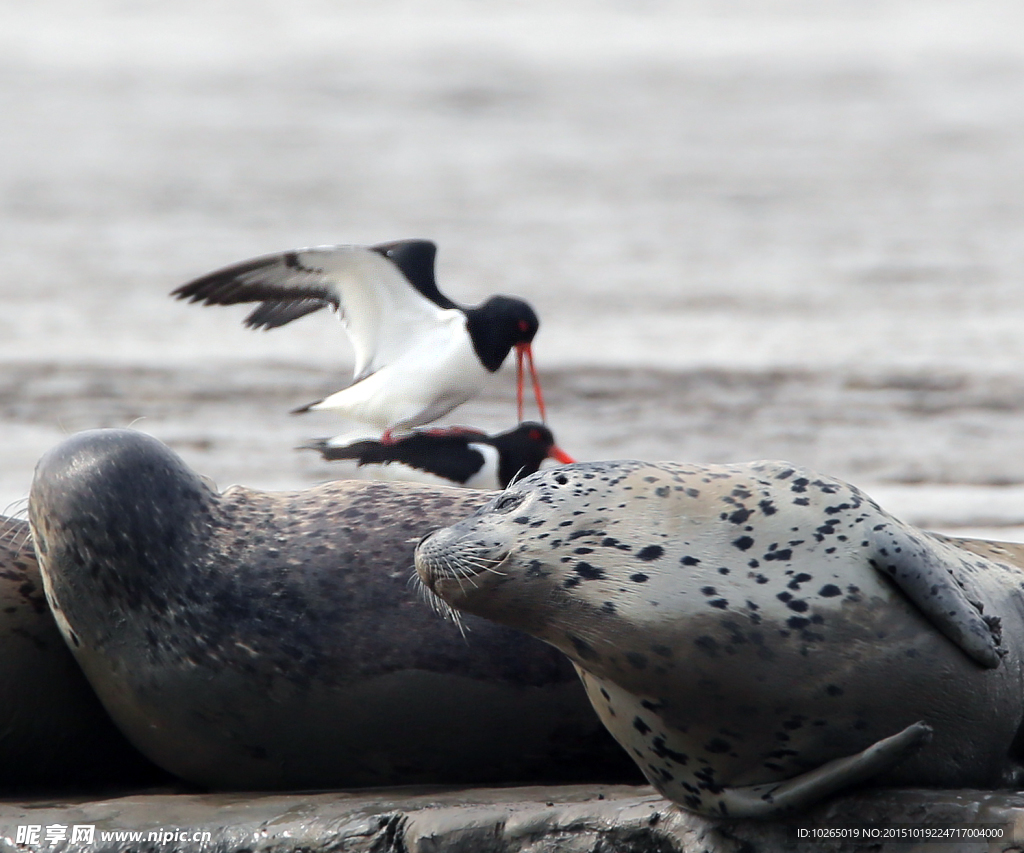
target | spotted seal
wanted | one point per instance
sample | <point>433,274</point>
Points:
<point>756,636</point>
<point>248,639</point>
<point>55,734</point>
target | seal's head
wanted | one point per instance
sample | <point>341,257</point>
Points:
<point>549,550</point>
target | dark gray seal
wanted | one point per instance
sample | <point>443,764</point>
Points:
<point>54,733</point>
<point>757,636</point>
<point>273,640</point>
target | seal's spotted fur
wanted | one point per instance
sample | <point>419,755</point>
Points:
<point>756,636</point>
<point>249,639</point>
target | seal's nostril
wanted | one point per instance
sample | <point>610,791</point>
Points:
<point>424,538</point>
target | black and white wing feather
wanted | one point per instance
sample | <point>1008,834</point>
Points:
<point>383,312</point>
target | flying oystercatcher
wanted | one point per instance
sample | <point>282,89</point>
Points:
<point>454,457</point>
<point>418,354</point>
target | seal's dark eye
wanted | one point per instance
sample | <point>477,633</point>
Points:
<point>506,502</point>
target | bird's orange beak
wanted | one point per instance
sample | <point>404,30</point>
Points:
<point>557,453</point>
<point>524,351</point>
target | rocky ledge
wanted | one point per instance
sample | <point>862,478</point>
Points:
<point>572,819</point>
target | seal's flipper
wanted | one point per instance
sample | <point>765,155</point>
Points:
<point>937,590</point>
<point>776,798</point>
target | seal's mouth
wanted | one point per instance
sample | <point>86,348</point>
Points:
<point>462,566</point>
<point>448,570</point>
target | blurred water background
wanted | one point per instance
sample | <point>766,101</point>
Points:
<point>776,229</point>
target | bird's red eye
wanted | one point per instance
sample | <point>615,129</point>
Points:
<point>534,435</point>
<point>523,326</point>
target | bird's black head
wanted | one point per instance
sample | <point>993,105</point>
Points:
<point>498,325</point>
<point>527,434</point>
<point>523,449</point>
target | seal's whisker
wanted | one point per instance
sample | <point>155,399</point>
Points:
<point>440,606</point>
<point>485,566</point>
<point>470,577</point>
<point>478,553</point>
<point>475,547</point>
<point>483,559</point>
<point>15,533</point>
<point>12,526</point>
<point>17,509</point>
<point>477,561</point>
<point>474,555</point>
<point>456,571</point>
<point>466,566</point>
<point>455,566</point>
<point>464,573</point>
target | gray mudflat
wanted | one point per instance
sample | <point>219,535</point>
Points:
<point>941,450</point>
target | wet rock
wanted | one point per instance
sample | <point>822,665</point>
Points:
<point>595,819</point>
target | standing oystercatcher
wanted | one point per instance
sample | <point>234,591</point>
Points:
<point>454,457</point>
<point>418,354</point>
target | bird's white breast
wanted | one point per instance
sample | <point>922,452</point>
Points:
<point>438,371</point>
